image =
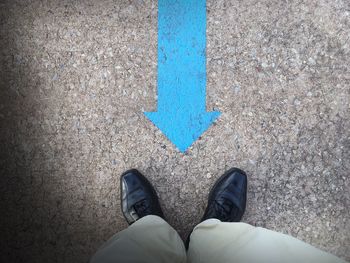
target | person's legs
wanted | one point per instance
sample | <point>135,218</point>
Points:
<point>148,239</point>
<point>221,239</point>
<point>222,242</point>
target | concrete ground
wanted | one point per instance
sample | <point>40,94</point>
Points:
<point>75,77</point>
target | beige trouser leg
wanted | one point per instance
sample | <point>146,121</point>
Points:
<point>213,241</point>
<point>148,240</point>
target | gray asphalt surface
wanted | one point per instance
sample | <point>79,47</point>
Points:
<point>75,78</point>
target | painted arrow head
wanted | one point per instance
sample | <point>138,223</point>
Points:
<point>182,129</point>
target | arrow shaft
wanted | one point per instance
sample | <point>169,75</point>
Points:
<point>181,55</point>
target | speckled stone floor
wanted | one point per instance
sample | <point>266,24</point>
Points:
<point>75,77</point>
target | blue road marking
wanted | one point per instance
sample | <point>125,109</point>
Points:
<point>182,114</point>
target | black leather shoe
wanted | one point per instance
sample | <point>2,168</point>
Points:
<point>138,197</point>
<point>227,198</point>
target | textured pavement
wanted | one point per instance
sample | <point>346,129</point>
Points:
<point>75,78</point>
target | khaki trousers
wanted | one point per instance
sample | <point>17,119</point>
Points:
<point>152,240</point>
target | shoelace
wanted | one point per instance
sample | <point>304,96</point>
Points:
<point>142,208</point>
<point>222,210</point>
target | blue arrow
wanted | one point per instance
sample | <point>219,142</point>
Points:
<point>182,114</point>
